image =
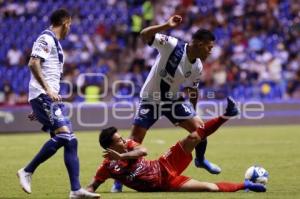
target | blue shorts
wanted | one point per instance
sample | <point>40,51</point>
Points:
<point>176,111</point>
<point>49,113</point>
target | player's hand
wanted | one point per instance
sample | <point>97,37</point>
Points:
<point>54,96</point>
<point>112,154</point>
<point>175,21</point>
<point>32,116</point>
<point>90,189</point>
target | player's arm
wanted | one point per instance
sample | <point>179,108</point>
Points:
<point>35,67</point>
<point>148,33</point>
<point>136,153</point>
<point>192,94</point>
<point>102,174</point>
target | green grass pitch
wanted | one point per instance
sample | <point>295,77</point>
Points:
<point>234,148</point>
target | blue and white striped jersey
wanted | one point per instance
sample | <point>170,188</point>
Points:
<point>48,48</point>
<point>171,70</point>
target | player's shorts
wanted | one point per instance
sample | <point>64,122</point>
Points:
<point>49,113</point>
<point>175,161</point>
<point>176,111</point>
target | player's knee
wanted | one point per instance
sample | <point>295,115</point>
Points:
<point>67,139</point>
<point>71,145</point>
<point>198,122</point>
<point>194,137</point>
<point>212,187</point>
<point>200,125</point>
<point>74,142</point>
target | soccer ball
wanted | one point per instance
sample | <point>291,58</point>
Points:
<point>257,174</point>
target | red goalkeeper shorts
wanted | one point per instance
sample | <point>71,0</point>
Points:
<point>174,162</point>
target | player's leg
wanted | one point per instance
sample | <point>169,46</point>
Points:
<point>52,115</point>
<point>63,133</point>
<point>205,130</point>
<point>212,125</point>
<point>41,106</point>
<point>192,125</point>
<point>197,186</point>
<point>146,116</point>
<point>117,187</point>
<point>189,143</point>
<point>138,133</point>
<point>184,115</point>
<point>209,127</point>
<point>71,157</point>
<point>176,160</point>
<point>47,150</point>
<point>179,156</point>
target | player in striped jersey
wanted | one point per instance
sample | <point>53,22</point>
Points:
<point>46,65</point>
<point>178,65</point>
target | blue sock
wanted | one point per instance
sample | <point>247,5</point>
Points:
<point>48,150</point>
<point>72,163</point>
<point>200,150</point>
<point>118,185</point>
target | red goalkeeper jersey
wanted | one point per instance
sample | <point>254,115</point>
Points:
<point>147,175</point>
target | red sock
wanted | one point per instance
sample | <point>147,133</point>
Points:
<point>210,127</point>
<point>230,187</point>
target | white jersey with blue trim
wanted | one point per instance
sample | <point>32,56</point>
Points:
<point>49,50</point>
<point>171,70</point>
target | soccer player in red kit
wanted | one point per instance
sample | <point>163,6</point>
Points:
<point>124,161</point>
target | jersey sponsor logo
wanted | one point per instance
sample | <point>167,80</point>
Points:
<point>117,168</point>
<point>164,75</point>
<point>114,166</point>
<point>42,41</point>
<point>163,39</point>
<point>41,47</point>
<point>44,48</point>
<point>144,111</point>
<point>58,112</point>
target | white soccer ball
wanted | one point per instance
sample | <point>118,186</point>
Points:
<point>257,174</point>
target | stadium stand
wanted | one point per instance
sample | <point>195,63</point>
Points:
<point>256,54</point>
